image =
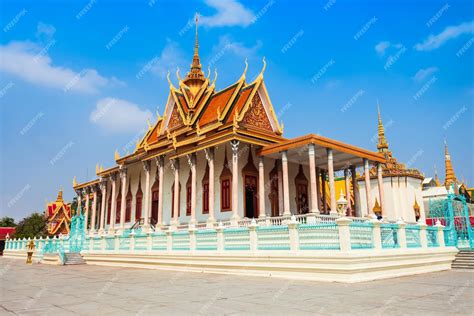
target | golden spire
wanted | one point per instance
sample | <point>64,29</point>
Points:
<point>416,207</point>
<point>382,146</point>
<point>195,77</point>
<point>450,176</point>
<point>60,196</point>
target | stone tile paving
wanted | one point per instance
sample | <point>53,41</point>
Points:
<point>93,290</point>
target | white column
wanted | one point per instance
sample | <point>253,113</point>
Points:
<point>86,213</point>
<point>367,186</point>
<point>123,177</point>
<point>332,188</point>
<point>103,188</point>
<point>113,207</point>
<point>175,167</point>
<point>79,202</point>
<point>192,165</point>
<point>147,168</point>
<point>318,188</point>
<point>235,182</point>
<point>355,188</point>
<point>210,160</point>
<point>94,209</point>
<point>261,187</point>
<point>160,164</point>
<point>380,185</point>
<point>286,188</point>
<point>313,179</point>
<point>348,190</point>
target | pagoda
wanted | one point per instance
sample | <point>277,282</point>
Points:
<point>403,185</point>
<point>58,216</point>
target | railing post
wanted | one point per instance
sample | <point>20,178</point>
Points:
<point>132,240</point>
<point>192,239</point>
<point>220,237</point>
<point>343,224</point>
<point>91,243</point>
<point>423,237</point>
<point>117,240</point>
<point>169,239</point>
<point>149,241</point>
<point>253,236</point>
<point>377,234</point>
<point>440,227</point>
<point>293,234</point>
<point>402,234</point>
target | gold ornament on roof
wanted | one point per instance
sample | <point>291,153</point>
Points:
<point>74,181</point>
<point>117,155</point>
<point>450,176</point>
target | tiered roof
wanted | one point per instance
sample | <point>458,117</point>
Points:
<point>59,216</point>
<point>197,116</point>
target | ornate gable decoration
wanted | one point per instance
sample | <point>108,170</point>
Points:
<point>256,115</point>
<point>175,119</point>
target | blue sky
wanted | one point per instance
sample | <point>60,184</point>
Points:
<point>328,62</point>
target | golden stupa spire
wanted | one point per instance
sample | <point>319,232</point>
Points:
<point>195,77</point>
<point>382,145</point>
<point>450,176</point>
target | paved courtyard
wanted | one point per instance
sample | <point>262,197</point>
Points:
<point>87,290</point>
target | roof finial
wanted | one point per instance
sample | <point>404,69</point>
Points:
<point>196,46</point>
<point>438,184</point>
<point>382,145</point>
<point>245,70</point>
<point>450,176</point>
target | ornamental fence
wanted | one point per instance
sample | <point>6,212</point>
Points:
<point>343,234</point>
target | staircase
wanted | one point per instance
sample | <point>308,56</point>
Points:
<point>73,258</point>
<point>464,260</point>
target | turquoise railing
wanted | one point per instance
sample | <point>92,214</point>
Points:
<point>273,238</point>
<point>362,236</point>
<point>181,240</point>
<point>237,238</point>
<point>141,242</point>
<point>159,241</point>
<point>389,235</point>
<point>432,236</point>
<point>321,236</point>
<point>412,233</point>
<point>206,239</point>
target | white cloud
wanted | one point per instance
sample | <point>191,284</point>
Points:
<point>171,57</point>
<point>227,46</point>
<point>382,47</point>
<point>451,32</point>
<point>229,13</point>
<point>424,73</point>
<point>45,31</point>
<point>31,63</point>
<point>119,116</point>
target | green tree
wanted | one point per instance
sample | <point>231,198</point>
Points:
<point>7,222</point>
<point>31,226</point>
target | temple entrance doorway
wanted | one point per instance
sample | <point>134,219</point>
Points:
<point>251,197</point>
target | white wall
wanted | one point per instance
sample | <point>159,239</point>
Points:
<point>400,195</point>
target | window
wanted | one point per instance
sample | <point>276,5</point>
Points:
<point>117,210</point>
<point>128,205</point>
<point>205,191</point>
<point>226,179</point>
<point>188,194</point>
<point>205,198</point>
<point>225,195</point>
<point>138,201</point>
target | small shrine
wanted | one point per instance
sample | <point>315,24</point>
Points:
<point>58,215</point>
